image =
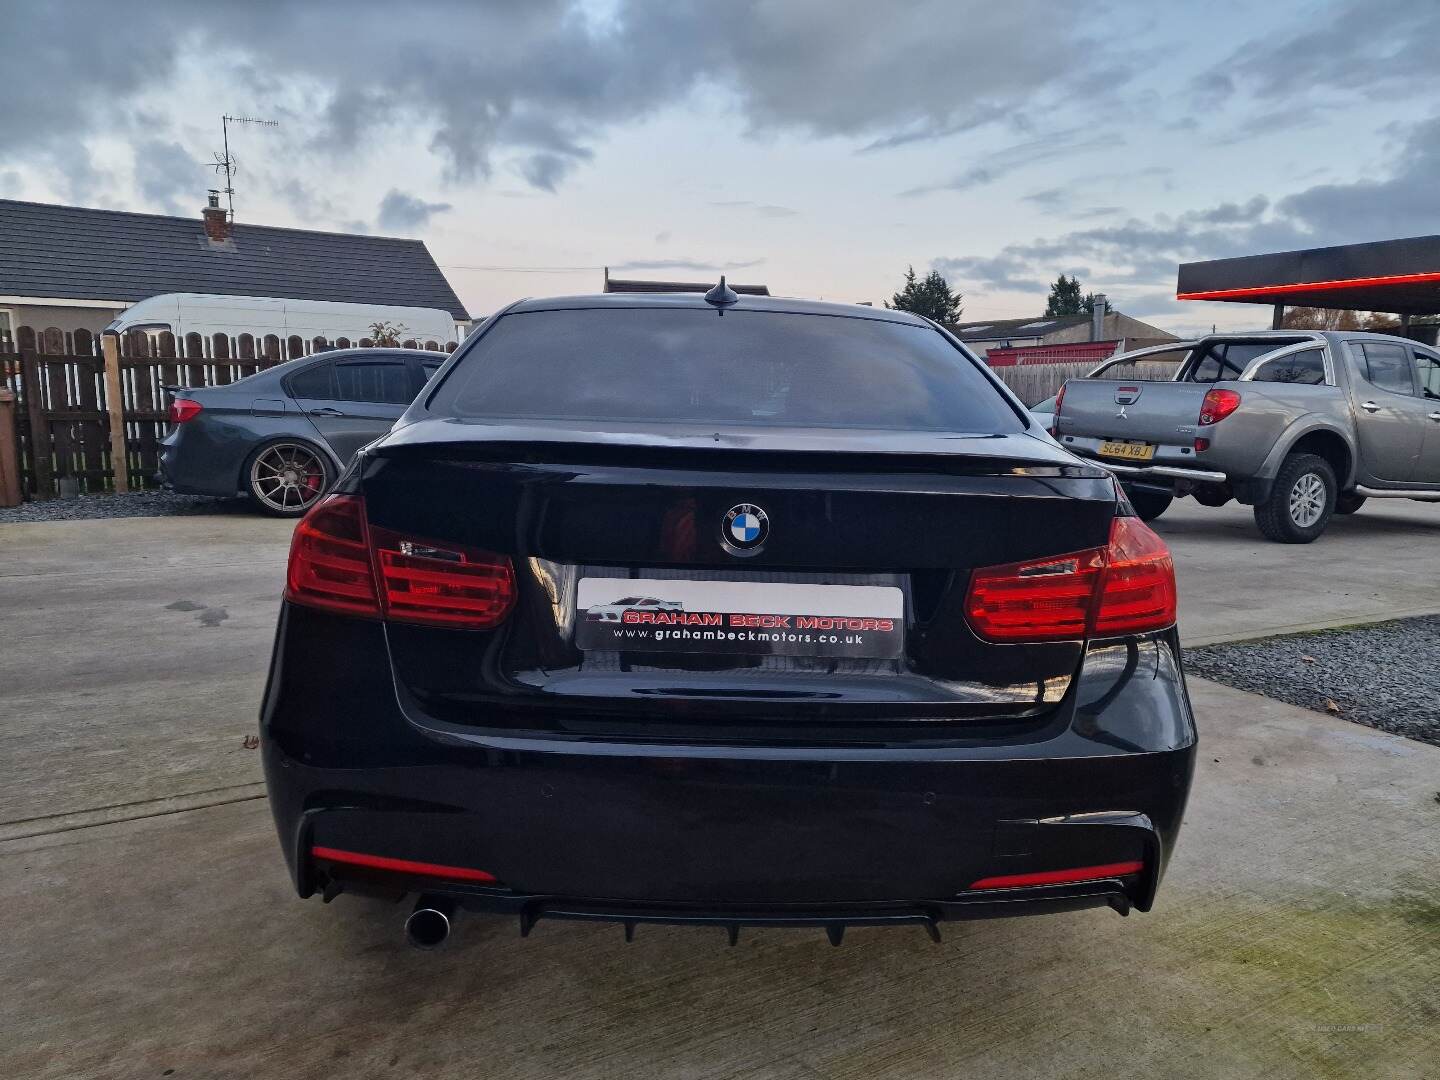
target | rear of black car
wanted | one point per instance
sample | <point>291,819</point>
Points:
<point>784,615</point>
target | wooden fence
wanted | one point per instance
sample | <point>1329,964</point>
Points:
<point>64,411</point>
<point>1033,383</point>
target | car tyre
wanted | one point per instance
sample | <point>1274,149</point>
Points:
<point>1300,501</point>
<point>1347,502</point>
<point>285,477</point>
<point>1149,504</point>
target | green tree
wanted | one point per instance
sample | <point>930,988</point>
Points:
<point>1064,297</point>
<point>930,296</point>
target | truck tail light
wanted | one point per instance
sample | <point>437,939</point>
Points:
<point>182,409</point>
<point>338,562</point>
<point>1217,405</point>
<point>1055,416</point>
<point>1126,587</point>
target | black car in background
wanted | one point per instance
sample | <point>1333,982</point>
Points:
<point>282,435</point>
<point>918,662</point>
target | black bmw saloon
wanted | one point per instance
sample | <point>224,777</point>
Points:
<point>907,661</point>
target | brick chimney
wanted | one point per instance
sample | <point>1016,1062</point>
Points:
<point>217,225</point>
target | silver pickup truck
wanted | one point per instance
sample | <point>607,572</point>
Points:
<point>1298,424</point>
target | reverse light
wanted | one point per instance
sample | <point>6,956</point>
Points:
<point>182,409</point>
<point>1060,877</point>
<point>1218,404</point>
<point>1126,587</point>
<point>339,562</point>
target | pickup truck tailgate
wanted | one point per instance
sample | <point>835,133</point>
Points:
<point>1156,412</point>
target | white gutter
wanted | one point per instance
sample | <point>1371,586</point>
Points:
<point>63,301</point>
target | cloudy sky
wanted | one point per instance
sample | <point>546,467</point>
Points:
<point>818,146</point>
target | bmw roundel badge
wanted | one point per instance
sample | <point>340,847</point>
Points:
<point>745,529</point>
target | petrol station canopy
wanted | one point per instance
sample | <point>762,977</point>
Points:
<point>1396,276</point>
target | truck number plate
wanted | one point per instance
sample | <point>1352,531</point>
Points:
<point>1132,451</point>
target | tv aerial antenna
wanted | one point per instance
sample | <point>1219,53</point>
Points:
<point>226,163</point>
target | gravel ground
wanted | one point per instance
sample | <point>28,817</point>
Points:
<point>1384,676</point>
<point>135,504</point>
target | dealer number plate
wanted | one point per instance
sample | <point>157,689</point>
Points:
<point>733,617</point>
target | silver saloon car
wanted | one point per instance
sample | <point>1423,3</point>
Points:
<point>283,435</point>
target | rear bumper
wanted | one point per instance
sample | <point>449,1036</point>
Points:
<point>193,463</point>
<point>1171,462</point>
<point>724,835</point>
<point>1162,472</point>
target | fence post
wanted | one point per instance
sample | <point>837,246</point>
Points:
<point>115,405</point>
<point>40,451</point>
<point>10,491</point>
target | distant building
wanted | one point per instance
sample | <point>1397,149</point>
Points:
<point>636,285</point>
<point>77,268</point>
<point>1060,336</point>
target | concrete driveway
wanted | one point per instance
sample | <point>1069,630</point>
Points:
<point>149,926</point>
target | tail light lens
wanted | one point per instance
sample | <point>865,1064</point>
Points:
<point>1055,415</point>
<point>1137,590</point>
<point>442,584</point>
<point>182,409</point>
<point>330,559</point>
<point>1126,587</point>
<point>338,562</point>
<point>1217,405</point>
<point>1035,601</point>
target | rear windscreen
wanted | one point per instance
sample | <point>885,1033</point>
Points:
<point>1222,360</point>
<point>765,368</point>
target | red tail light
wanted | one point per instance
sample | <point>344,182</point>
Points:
<point>1217,405</point>
<point>1137,592</point>
<point>442,584</point>
<point>1055,413</point>
<point>330,559</point>
<point>1048,600</point>
<point>336,560</point>
<point>1127,587</point>
<point>182,409</point>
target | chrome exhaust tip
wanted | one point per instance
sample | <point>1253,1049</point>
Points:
<point>428,926</point>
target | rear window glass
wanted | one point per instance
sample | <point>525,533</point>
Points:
<point>314,382</point>
<point>1306,367</point>
<point>776,369</point>
<point>1221,360</point>
<point>383,383</point>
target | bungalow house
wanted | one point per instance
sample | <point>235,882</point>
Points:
<point>1059,337</point>
<point>76,268</point>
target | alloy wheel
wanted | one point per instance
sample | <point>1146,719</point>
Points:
<point>287,477</point>
<point>1307,500</point>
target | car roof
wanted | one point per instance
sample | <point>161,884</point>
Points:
<point>696,301</point>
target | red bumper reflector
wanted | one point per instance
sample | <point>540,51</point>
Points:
<point>1060,877</point>
<point>402,866</point>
